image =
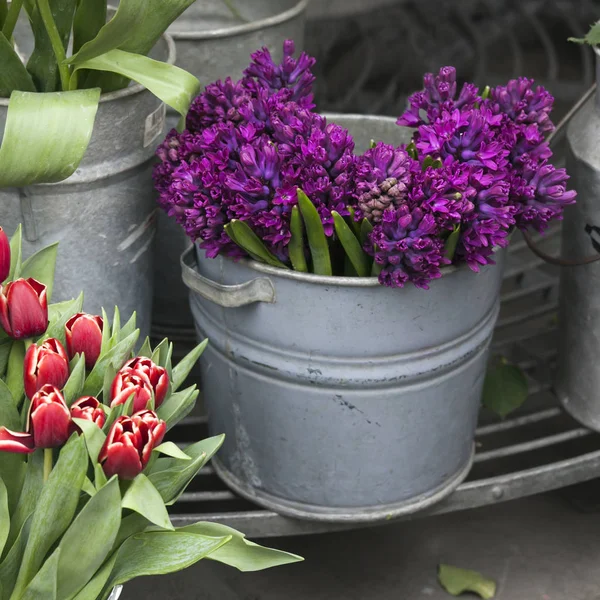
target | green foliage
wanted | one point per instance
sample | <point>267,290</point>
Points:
<point>458,581</point>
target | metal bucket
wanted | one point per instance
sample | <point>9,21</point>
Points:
<point>578,373</point>
<point>212,43</point>
<point>104,214</point>
<point>342,400</point>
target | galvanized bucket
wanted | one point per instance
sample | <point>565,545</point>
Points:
<point>342,400</point>
<point>104,215</point>
<point>578,373</point>
<point>213,43</point>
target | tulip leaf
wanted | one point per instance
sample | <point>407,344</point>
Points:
<point>4,515</point>
<point>109,377</point>
<point>172,450</point>
<point>88,487</point>
<point>44,583</point>
<point>9,567</point>
<point>241,553</point>
<point>99,476</point>
<point>14,371</point>
<point>505,389</point>
<point>94,587</point>
<point>30,493</point>
<point>115,357</point>
<point>174,86</point>
<point>98,523</point>
<point>5,348</point>
<point>177,406</point>
<point>247,240</point>
<point>129,327</point>
<point>146,349</point>
<point>360,261</point>
<point>46,136</point>
<point>143,498</point>
<point>55,508</point>
<point>40,266</point>
<point>171,476</point>
<point>458,581</point>
<point>12,472</point>
<point>58,315</point>
<point>90,18</point>
<point>451,242</point>
<point>15,254</point>
<point>93,435</point>
<point>296,245</point>
<point>13,75</point>
<point>116,326</point>
<point>159,354</point>
<point>106,334</point>
<point>9,415</point>
<point>159,553</point>
<point>74,386</point>
<point>186,364</point>
<point>317,241</point>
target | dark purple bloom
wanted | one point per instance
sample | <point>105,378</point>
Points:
<point>523,104</point>
<point>408,248</point>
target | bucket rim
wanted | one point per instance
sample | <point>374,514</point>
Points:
<point>135,88</point>
<point>329,280</point>
<point>251,27</point>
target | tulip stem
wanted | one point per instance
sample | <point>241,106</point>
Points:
<point>47,463</point>
<point>28,342</point>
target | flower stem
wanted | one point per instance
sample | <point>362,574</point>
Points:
<point>47,463</point>
<point>56,42</point>
<point>11,18</point>
<point>28,342</point>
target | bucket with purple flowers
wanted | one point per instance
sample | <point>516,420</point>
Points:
<point>347,272</point>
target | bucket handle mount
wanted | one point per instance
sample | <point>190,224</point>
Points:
<point>260,289</point>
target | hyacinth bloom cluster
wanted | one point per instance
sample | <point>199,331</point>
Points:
<point>248,146</point>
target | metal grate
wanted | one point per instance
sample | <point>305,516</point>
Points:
<point>538,450</point>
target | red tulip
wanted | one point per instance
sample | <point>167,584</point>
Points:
<point>157,376</point>
<point>23,308</point>
<point>44,364</point>
<point>128,382</point>
<point>84,335</point>
<point>4,255</point>
<point>49,418</point>
<point>88,408</point>
<point>21,443</point>
<point>129,444</point>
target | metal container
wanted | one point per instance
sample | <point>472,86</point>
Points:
<point>342,400</point>
<point>213,43</point>
<point>104,215</point>
<point>578,374</point>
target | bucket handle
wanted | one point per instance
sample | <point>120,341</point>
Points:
<point>260,289</point>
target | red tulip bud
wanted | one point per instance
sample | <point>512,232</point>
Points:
<point>11,441</point>
<point>49,418</point>
<point>88,408</point>
<point>129,444</point>
<point>127,382</point>
<point>4,255</point>
<point>44,364</point>
<point>157,376</point>
<point>84,334</point>
<point>23,308</point>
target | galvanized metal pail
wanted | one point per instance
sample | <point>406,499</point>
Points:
<point>578,372</point>
<point>214,43</point>
<point>342,400</point>
<point>104,214</point>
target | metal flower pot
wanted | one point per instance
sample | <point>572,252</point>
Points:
<point>342,400</point>
<point>104,215</point>
<point>212,43</point>
<point>578,374</point>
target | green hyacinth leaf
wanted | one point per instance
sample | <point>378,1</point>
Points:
<point>13,75</point>
<point>452,242</point>
<point>505,389</point>
<point>46,136</point>
<point>351,220</point>
<point>365,230</point>
<point>458,581</point>
<point>246,239</point>
<point>317,241</point>
<point>174,86</point>
<point>360,261</point>
<point>296,245</point>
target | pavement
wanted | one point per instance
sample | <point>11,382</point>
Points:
<point>544,547</point>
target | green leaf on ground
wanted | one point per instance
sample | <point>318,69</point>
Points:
<point>458,581</point>
<point>505,389</point>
